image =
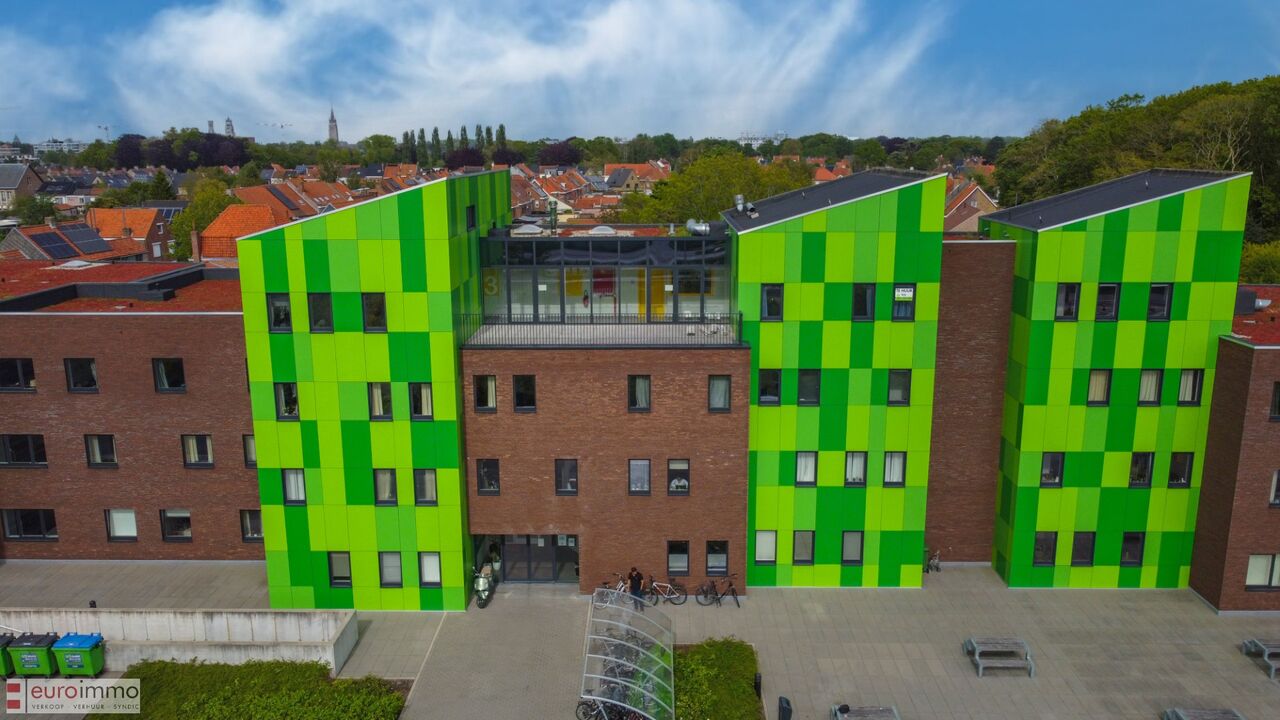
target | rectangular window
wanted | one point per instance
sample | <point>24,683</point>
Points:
<point>904,302</point>
<point>806,469</point>
<point>638,477</point>
<point>197,451</point>
<point>286,401</point>
<point>100,450</point>
<point>30,525</point>
<point>320,311</point>
<point>717,558</point>
<point>175,525</point>
<point>851,548</point>
<point>638,393</point>
<point>1108,301</point>
<point>17,375</point>
<point>424,487</point>
<point>1263,572</point>
<point>486,390</point>
<point>1189,387</point>
<point>384,487</point>
<point>421,406</point>
<point>808,387</point>
<point>1068,305</point>
<point>1046,548</point>
<point>487,482</point>
<point>122,526</point>
<point>1131,549</point>
<point>251,526</point>
<point>766,547</point>
<point>899,387</point>
<point>22,450</point>
<point>718,396</point>
<point>374,306</point>
<point>677,477</point>
<point>279,317</point>
<point>855,469</point>
<point>1180,464</point>
<point>1149,382</point>
<point>677,557</point>
<point>525,392</point>
<point>389,573</point>
<point>895,469</point>
<point>1082,549</point>
<point>379,401</point>
<point>1160,301</point>
<point>770,390</point>
<point>82,375</point>
<point>1099,387</point>
<point>770,303</point>
<point>295,486</point>
<point>170,375</point>
<point>864,302</point>
<point>250,451</point>
<point>1141,467</point>
<point>1275,489</point>
<point>566,477</point>
<point>1051,464</point>
<point>471,217</point>
<point>339,569</point>
<point>1275,401</point>
<point>429,569</point>
<point>802,547</point>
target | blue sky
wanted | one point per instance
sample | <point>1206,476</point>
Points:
<point>615,67</point>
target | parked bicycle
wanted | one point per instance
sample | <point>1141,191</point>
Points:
<point>619,586</point>
<point>711,591</point>
<point>594,709</point>
<point>933,563</point>
<point>671,591</point>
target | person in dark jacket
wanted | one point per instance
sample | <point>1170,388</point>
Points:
<point>635,582</point>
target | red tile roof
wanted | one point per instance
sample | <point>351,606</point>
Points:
<point>19,277</point>
<point>260,195</point>
<point>1261,327</point>
<point>822,174</point>
<point>112,222</point>
<point>643,171</point>
<point>120,247</point>
<point>235,221</point>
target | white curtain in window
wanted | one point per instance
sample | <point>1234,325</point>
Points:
<point>377,404</point>
<point>642,392</point>
<point>425,481</point>
<point>384,482</point>
<point>1188,389</point>
<point>639,476</point>
<point>389,563</point>
<point>895,465</point>
<point>123,524</point>
<point>1259,572</point>
<point>95,449</point>
<point>429,564</point>
<point>1149,386</point>
<point>197,448</point>
<point>295,486</point>
<point>422,399</point>
<point>855,468</point>
<point>1099,385</point>
<point>719,392</point>
<point>806,468</point>
<point>491,391</point>
<point>766,546</point>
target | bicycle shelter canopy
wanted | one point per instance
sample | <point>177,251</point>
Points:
<point>629,656</point>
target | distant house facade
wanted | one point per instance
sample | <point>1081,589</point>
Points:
<point>61,242</point>
<point>17,180</point>
<point>146,225</point>
<point>965,204</point>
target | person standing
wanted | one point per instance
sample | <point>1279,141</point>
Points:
<point>635,582</point>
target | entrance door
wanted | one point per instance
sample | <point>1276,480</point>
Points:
<point>515,557</point>
<point>540,558</point>
<point>567,559</point>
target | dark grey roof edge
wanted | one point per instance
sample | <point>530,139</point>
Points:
<point>910,177</point>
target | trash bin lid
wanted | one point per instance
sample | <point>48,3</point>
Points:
<point>5,639</point>
<point>73,641</point>
<point>31,640</point>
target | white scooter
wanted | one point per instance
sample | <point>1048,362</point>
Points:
<point>483,585</point>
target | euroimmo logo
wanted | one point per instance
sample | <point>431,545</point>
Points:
<point>51,696</point>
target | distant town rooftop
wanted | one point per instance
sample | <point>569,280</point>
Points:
<point>775,209</point>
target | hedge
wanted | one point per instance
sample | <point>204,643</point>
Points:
<point>716,679</point>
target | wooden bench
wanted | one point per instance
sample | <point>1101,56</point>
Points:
<point>1267,651</point>
<point>1001,653</point>
<point>1185,714</point>
<point>844,712</point>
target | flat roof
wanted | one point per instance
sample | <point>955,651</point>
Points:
<point>788,205</point>
<point>1261,327</point>
<point>1105,197</point>
<point>19,277</point>
<point>202,296</point>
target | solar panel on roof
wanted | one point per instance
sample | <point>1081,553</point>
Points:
<point>73,226</point>
<point>53,245</point>
<point>86,239</point>
<point>282,197</point>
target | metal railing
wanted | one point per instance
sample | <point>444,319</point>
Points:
<point>481,330</point>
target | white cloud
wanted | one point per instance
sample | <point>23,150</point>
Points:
<point>38,83</point>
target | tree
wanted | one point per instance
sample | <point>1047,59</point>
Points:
<point>463,142</point>
<point>160,187</point>
<point>129,151</point>
<point>437,150</point>
<point>98,155</point>
<point>1260,263</point>
<point>464,157</point>
<point>488,135</point>
<point>329,162</point>
<point>448,143</point>
<point>507,156</point>
<point>561,153</point>
<point>993,148</point>
<point>790,146</point>
<point>479,137</point>
<point>1218,130</point>
<point>32,209</point>
<point>424,153</point>
<point>250,174</point>
<point>378,149</point>
<point>708,185</point>
<point>208,200</point>
<point>868,153</point>
<point>501,137</point>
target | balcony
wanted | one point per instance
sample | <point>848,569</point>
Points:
<point>619,331</point>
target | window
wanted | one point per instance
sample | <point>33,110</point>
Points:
<point>17,375</point>
<point>638,477</point>
<point>429,569</point>
<point>1051,469</point>
<point>279,318</point>
<point>770,303</point>
<point>320,312</point>
<point>389,572</point>
<point>717,557</point>
<point>1046,548</point>
<point>718,396</point>
<point>808,387</point>
<point>1159,301</point>
<point>806,469</point>
<point>1140,469</point>
<point>175,525</point>
<point>22,450</point>
<point>1108,302</point>
<point>677,477</point>
<point>486,389</point>
<point>197,451</point>
<point>1082,549</point>
<point>566,477</point>
<point>420,402</point>
<point>286,401</point>
<point>384,487</point>
<point>1149,382</point>
<point>766,547</point>
<point>1263,572</point>
<point>1099,387</point>
<point>82,375</point>
<point>30,525</point>
<point>899,387</point>
<point>1068,305</point>
<point>1131,549</point>
<point>471,217</point>
<point>379,401</point>
<point>250,451</point>
<point>802,547</point>
<point>122,526</point>
<point>895,469</point>
<point>169,374</point>
<point>1275,402</point>
<point>525,392</point>
<point>339,569</point>
<point>100,450</point>
<point>1180,464</point>
<point>638,393</point>
<point>424,487</point>
<point>851,547</point>
<point>677,557</point>
<point>487,482</point>
<point>864,302</point>
<point>904,302</point>
<point>770,387</point>
<point>855,469</point>
<point>295,486</point>
<point>1189,387</point>
<point>375,312</point>
<point>251,526</point>
<point>1275,489</point>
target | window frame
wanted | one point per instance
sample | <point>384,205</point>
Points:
<point>1198,374</point>
<point>888,396</point>
<point>272,300</point>
<point>1071,314</point>
<point>246,441</point>
<point>848,455</point>
<point>336,580</point>
<point>716,571</point>
<point>756,556</point>
<point>491,387</point>
<point>1275,402</point>
<point>422,580</point>
<point>111,536</point>
<point>1040,535</point>
<point>515,393</point>
<point>728,381</point>
<point>813,377</point>
<point>382,569</point>
<point>1048,459</point>
<point>497,485</point>
<point>156,374</point>
<point>765,290</point>
<point>93,369</point>
<point>6,456</point>
<point>1089,401</point>
<point>687,558</point>
<point>326,301</point>
<point>1159,372</point>
<point>1150,462</point>
<point>633,396</point>
<point>415,397</point>
<point>281,416</point>
<point>844,540</point>
<point>813,482</point>
<point>884,480</point>
<point>1271,573</point>
<point>1142,548</point>
<point>88,452</point>
<point>648,476</point>
<point>1167,314</point>
<point>25,370</point>
<point>197,464</point>
<point>911,305</point>
<point>164,526</point>
<point>245,537</point>
<point>419,498</point>
<point>284,485</point>
<point>384,394</point>
<point>394,500</point>
<point>365,297</point>
<point>1274,501</point>
<point>869,293</point>
<point>1190,463</point>
<point>1076,537</point>
<point>795,545</point>
<point>1115,304</point>
<point>45,515</point>
<point>570,471</point>
<point>672,476</point>
<point>773,400</point>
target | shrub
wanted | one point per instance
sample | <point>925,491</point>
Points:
<point>1260,263</point>
<point>716,679</point>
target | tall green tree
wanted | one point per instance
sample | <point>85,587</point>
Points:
<point>160,187</point>
<point>378,149</point>
<point>462,138</point>
<point>708,185</point>
<point>250,174</point>
<point>98,155</point>
<point>479,137</point>
<point>488,135</point>
<point>424,153</point>
<point>437,149</point>
<point>208,200</point>
<point>501,137</point>
<point>32,209</point>
<point>448,142</point>
<point>868,153</point>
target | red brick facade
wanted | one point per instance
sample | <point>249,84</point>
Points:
<point>582,413</point>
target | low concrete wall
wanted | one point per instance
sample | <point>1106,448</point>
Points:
<point>225,636</point>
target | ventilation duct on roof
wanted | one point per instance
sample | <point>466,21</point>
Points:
<point>697,228</point>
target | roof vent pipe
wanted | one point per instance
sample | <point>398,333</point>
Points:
<point>738,201</point>
<point>697,228</point>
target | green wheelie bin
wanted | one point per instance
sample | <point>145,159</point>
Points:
<point>32,654</point>
<point>6,665</point>
<point>79,654</point>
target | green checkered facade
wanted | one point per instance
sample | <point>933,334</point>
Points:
<point>416,248</point>
<point>893,237</point>
<point>1192,240</point>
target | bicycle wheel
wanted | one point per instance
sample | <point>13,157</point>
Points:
<point>586,710</point>
<point>679,596</point>
<point>706,595</point>
<point>651,596</point>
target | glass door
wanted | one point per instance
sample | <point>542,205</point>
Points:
<point>604,295</point>
<point>542,558</point>
<point>662,295</point>
<point>567,559</point>
<point>515,557</point>
<point>577,294</point>
<point>521,294</point>
<point>549,308</point>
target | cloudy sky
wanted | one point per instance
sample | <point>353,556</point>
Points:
<point>612,67</point>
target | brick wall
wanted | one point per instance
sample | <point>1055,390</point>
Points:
<point>582,413</point>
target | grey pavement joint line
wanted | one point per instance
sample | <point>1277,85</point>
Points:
<point>425,658</point>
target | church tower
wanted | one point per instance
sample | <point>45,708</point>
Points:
<point>333,127</point>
